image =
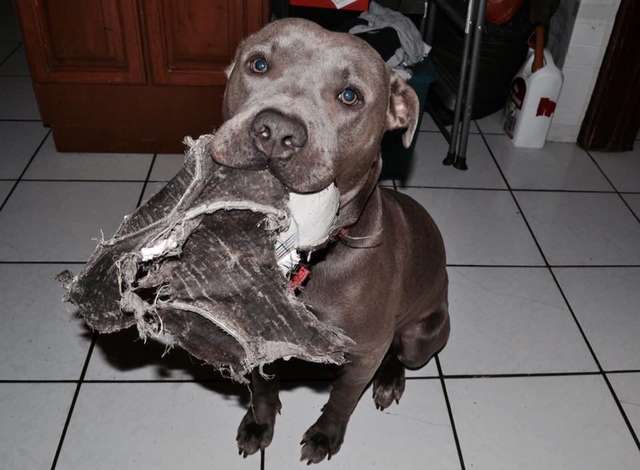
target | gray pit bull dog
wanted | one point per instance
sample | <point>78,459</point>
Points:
<point>312,106</point>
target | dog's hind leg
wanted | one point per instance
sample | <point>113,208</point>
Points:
<point>388,383</point>
<point>256,428</point>
<point>418,342</point>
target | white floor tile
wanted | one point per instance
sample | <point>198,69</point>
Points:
<point>428,124</point>
<point>16,64</point>
<point>607,304</point>
<point>60,221</point>
<point>430,370</point>
<point>428,170</point>
<point>31,419</point>
<point>40,338</point>
<point>479,227</point>
<point>582,228</point>
<point>540,422</point>
<point>407,436</point>
<point>491,124</point>
<point>634,201</point>
<point>627,387</point>
<point>555,166</point>
<point>622,168</point>
<point>166,166</point>
<point>51,164</point>
<point>154,426</point>
<point>18,99</point>
<point>18,141</point>
<point>510,321</point>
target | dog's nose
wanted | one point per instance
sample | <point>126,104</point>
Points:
<point>276,135</point>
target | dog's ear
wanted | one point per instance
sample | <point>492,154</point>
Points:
<point>403,109</point>
<point>229,68</point>
<point>236,56</point>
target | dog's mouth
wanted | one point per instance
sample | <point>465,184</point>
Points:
<point>299,152</point>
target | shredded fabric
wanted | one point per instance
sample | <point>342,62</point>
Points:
<point>196,267</point>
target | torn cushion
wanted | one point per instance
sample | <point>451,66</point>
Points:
<point>195,267</point>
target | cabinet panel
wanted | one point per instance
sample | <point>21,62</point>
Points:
<point>85,42</point>
<point>192,41</point>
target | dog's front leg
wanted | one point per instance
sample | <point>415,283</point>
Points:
<point>325,436</point>
<point>256,428</point>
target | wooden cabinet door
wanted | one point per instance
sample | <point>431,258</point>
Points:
<point>192,41</point>
<point>95,41</point>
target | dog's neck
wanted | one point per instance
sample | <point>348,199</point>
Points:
<point>360,219</point>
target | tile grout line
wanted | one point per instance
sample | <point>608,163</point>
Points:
<point>72,406</point>
<point>481,376</point>
<point>450,412</point>
<point>543,266</point>
<point>393,184</point>
<point>42,262</point>
<point>24,170</point>
<point>146,180</point>
<point>8,56</point>
<point>75,180</point>
<point>522,190</point>
<point>85,366</point>
<point>567,303</point>
<point>624,201</point>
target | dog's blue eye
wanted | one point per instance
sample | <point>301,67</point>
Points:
<point>348,96</point>
<point>259,65</point>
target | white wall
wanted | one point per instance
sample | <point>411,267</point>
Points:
<point>587,47</point>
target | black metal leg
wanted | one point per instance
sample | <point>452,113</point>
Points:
<point>461,157</point>
<point>431,22</point>
<point>462,85</point>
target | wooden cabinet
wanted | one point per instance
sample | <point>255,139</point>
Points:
<point>192,42</point>
<point>86,42</point>
<point>133,76</point>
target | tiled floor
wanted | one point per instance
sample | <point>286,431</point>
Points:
<point>542,369</point>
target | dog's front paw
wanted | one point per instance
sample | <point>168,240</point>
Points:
<point>387,387</point>
<point>253,436</point>
<point>319,443</point>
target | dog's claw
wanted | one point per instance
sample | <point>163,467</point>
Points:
<point>253,436</point>
<point>388,386</point>
<point>323,442</point>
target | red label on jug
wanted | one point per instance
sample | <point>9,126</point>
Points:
<point>546,107</point>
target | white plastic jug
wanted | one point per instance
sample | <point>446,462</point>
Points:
<point>532,102</point>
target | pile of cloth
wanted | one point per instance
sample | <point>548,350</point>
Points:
<point>393,35</point>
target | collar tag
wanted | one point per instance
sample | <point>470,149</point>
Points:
<point>299,276</point>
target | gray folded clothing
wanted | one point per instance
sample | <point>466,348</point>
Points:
<point>196,267</point>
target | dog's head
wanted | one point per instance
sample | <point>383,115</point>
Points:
<point>312,106</point>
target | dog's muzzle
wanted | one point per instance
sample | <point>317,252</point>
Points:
<point>277,136</point>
